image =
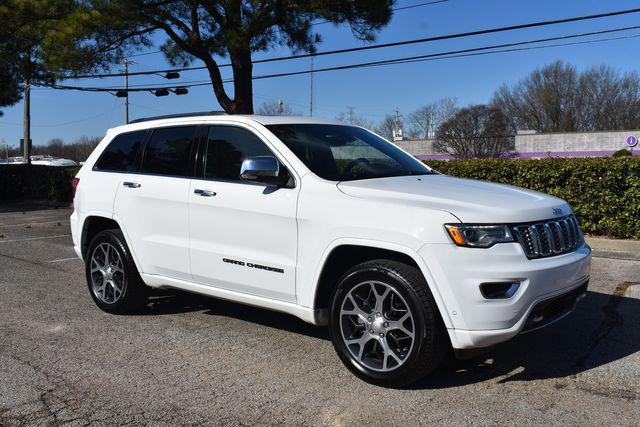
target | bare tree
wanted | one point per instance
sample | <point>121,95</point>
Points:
<point>350,117</point>
<point>425,121</point>
<point>276,108</point>
<point>475,131</point>
<point>547,100</point>
<point>386,127</point>
<point>78,150</point>
<point>557,98</point>
<point>609,101</point>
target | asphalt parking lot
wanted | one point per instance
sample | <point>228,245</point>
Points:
<point>195,360</point>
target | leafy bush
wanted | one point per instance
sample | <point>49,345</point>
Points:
<point>622,152</point>
<point>604,192</point>
<point>19,182</point>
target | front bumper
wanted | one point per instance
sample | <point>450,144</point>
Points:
<point>475,321</point>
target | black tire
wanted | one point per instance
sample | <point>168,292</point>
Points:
<point>135,293</point>
<point>430,341</point>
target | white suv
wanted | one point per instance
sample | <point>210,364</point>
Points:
<point>330,223</point>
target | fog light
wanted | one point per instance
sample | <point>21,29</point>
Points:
<point>502,290</point>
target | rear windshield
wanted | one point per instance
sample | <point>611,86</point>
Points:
<point>346,153</point>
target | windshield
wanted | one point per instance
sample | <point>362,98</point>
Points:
<point>345,153</point>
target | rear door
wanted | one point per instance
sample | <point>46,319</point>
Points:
<point>118,158</point>
<point>153,203</point>
<point>243,234</point>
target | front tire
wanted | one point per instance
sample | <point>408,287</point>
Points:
<point>385,325</point>
<point>112,277</point>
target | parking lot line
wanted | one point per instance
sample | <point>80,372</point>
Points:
<point>66,259</point>
<point>35,238</point>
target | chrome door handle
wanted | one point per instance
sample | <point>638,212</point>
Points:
<point>131,184</point>
<point>204,193</point>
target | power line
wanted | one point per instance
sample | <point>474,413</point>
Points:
<point>385,45</point>
<point>483,50</point>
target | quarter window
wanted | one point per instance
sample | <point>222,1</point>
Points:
<point>168,151</point>
<point>227,147</point>
<point>121,153</point>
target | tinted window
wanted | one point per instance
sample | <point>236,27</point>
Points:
<point>227,147</point>
<point>121,153</point>
<point>168,151</point>
<point>341,153</point>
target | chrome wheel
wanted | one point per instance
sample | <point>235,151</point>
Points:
<point>107,273</point>
<point>377,326</point>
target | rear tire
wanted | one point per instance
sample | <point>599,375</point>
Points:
<point>112,277</point>
<point>385,325</point>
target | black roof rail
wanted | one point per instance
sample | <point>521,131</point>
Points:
<point>175,116</point>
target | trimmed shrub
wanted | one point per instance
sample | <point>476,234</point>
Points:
<point>36,182</point>
<point>604,192</point>
<point>622,152</point>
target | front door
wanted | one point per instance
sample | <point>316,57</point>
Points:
<point>243,234</point>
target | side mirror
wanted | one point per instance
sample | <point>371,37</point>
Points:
<point>264,169</point>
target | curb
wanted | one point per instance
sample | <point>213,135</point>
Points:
<point>612,248</point>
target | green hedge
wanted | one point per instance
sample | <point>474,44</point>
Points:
<point>604,192</point>
<point>19,182</point>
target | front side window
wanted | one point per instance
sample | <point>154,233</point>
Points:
<point>121,153</point>
<point>227,147</point>
<point>345,153</point>
<point>168,151</point>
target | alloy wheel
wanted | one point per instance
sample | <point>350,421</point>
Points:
<point>107,273</point>
<point>377,326</point>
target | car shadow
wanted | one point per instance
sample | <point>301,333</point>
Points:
<point>602,329</point>
<point>175,301</point>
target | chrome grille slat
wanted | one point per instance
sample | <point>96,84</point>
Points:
<point>549,238</point>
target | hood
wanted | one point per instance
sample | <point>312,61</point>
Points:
<point>469,200</point>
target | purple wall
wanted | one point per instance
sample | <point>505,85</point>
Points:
<point>539,155</point>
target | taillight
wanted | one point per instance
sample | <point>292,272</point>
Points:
<point>74,185</point>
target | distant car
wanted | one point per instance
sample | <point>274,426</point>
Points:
<point>52,161</point>
<point>41,160</point>
<point>330,223</point>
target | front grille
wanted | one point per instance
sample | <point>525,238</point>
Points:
<point>549,238</point>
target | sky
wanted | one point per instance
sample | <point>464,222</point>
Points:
<point>372,92</point>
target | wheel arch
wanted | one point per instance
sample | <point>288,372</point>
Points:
<point>342,255</point>
<point>92,225</point>
<point>97,222</point>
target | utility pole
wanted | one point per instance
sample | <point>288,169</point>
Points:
<point>311,91</point>
<point>26,147</point>
<point>397,131</point>
<point>351,112</point>
<point>126,64</point>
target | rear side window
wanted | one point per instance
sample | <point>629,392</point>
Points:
<point>227,147</point>
<point>169,150</point>
<point>121,153</point>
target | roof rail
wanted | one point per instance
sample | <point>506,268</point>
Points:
<point>175,116</point>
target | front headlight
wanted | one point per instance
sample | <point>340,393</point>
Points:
<point>479,236</point>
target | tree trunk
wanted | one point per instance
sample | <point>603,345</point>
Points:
<point>218,88</point>
<point>242,80</point>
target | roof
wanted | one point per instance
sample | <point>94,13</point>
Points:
<point>215,116</point>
